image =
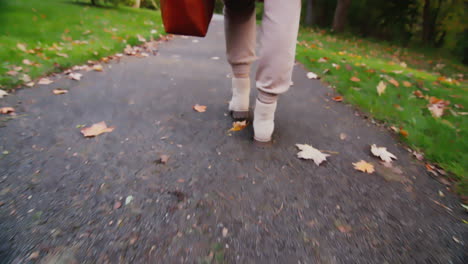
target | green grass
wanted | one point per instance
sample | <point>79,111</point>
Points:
<point>50,28</point>
<point>444,140</point>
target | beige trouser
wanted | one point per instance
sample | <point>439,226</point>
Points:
<point>278,39</point>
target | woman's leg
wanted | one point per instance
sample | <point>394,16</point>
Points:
<point>240,29</point>
<point>280,27</point>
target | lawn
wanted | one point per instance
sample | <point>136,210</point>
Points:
<point>39,37</point>
<point>356,67</point>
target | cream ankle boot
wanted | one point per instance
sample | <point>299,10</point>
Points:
<point>239,104</point>
<point>264,121</point>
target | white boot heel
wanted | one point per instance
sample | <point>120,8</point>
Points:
<point>239,104</point>
<point>264,121</point>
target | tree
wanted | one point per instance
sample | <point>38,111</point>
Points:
<point>136,3</point>
<point>341,13</point>
<point>309,19</point>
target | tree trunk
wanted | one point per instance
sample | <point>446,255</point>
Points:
<point>341,13</point>
<point>309,20</point>
<point>93,2</point>
<point>426,33</point>
<point>137,4</point>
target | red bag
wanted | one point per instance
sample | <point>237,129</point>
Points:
<point>187,17</point>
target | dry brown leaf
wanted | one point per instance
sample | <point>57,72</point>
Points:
<point>364,166</point>
<point>163,159</point>
<point>343,136</point>
<point>406,84</point>
<point>355,79</point>
<point>338,98</point>
<point>404,132</point>
<point>45,81</point>
<point>381,87</point>
<point>25,78</point>
<point>3,93</point>
<point>21,47</point>
<point>312,76</point>
<point>117,205</point>
<point>96,129</point>
<point>418,94</point>
<point>238,126</point>
<point>34,255</point>
<point>98,67</point>
<point>199,108</point>
<point>12,73</point>
<point>7,110</point>
<point>75,76</point>
<point>62,55</point>
<point>59,91</point>
<point>394,82</point>
<point>382,153</point>
<point>309,152</point>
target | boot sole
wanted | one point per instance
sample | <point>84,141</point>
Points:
<point>240,115</point>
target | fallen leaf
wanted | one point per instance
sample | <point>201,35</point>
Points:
<point>12,73</point>
<point>309,152</point>
<point>436,110</point>
<point>238,126</point>
<point>336,66</point>
<point>21,47</point>
<point>34,255</point>
<point>382,153</point>
<point>324,59</point>
<point>338,98</point>
<point>3,93</point>
<point>7,110</point>
<point>343,136</point>
<point>312,76</point>
<point>30,84</point>
<point>394,82</point>
<point>355,79</point>
<point>128,200</point>
<point>98,67</point>
<point>96,129</point>
<point>343,228</point>
<point>75,76</point>
<point>133,240</point>
<point>418,156</point>
<point>117,205</point>
<point>62,55</point>
<point>406,84</point>
<point>140,38</point>
<point>225,232</point>
<point>215,58</point>
<point>381,87</point>
<point>163,159</point>
<point>418,94</point>
<point>199,108</point>
<point>404,132</point>
<point>364,166</point>
<point>59,91</point>
<point>45,81</point>
<point>25,78</point>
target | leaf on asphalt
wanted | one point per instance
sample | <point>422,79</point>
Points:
<point>75,76</point>
<point>338,98</point>
<point>128,200</point>
<point>343,136</point>
<point>394,82</point>
<point>96,129</point>
<point>381,87</point>
<point>364,166</point>
<point>163,159</point>
<point>34,255</point>
<point>98,67</point>
<point>309,152</point>
<point>215,58</point>
<point>225,232</point>
<point>382,153</point>
<point>406,84</point>
<point>355,79</point>
<point>7,110</point>
<point>312,76</point>
<point>21,47</point>
<point>343,228</point>
<point>238,126</point>
<point>45,81</point>
<point>3,93</point>
<point>59,91</point>
<point>199,108</point>
<point>117,205</point>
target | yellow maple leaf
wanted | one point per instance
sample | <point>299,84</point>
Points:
<point>364,166</point>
